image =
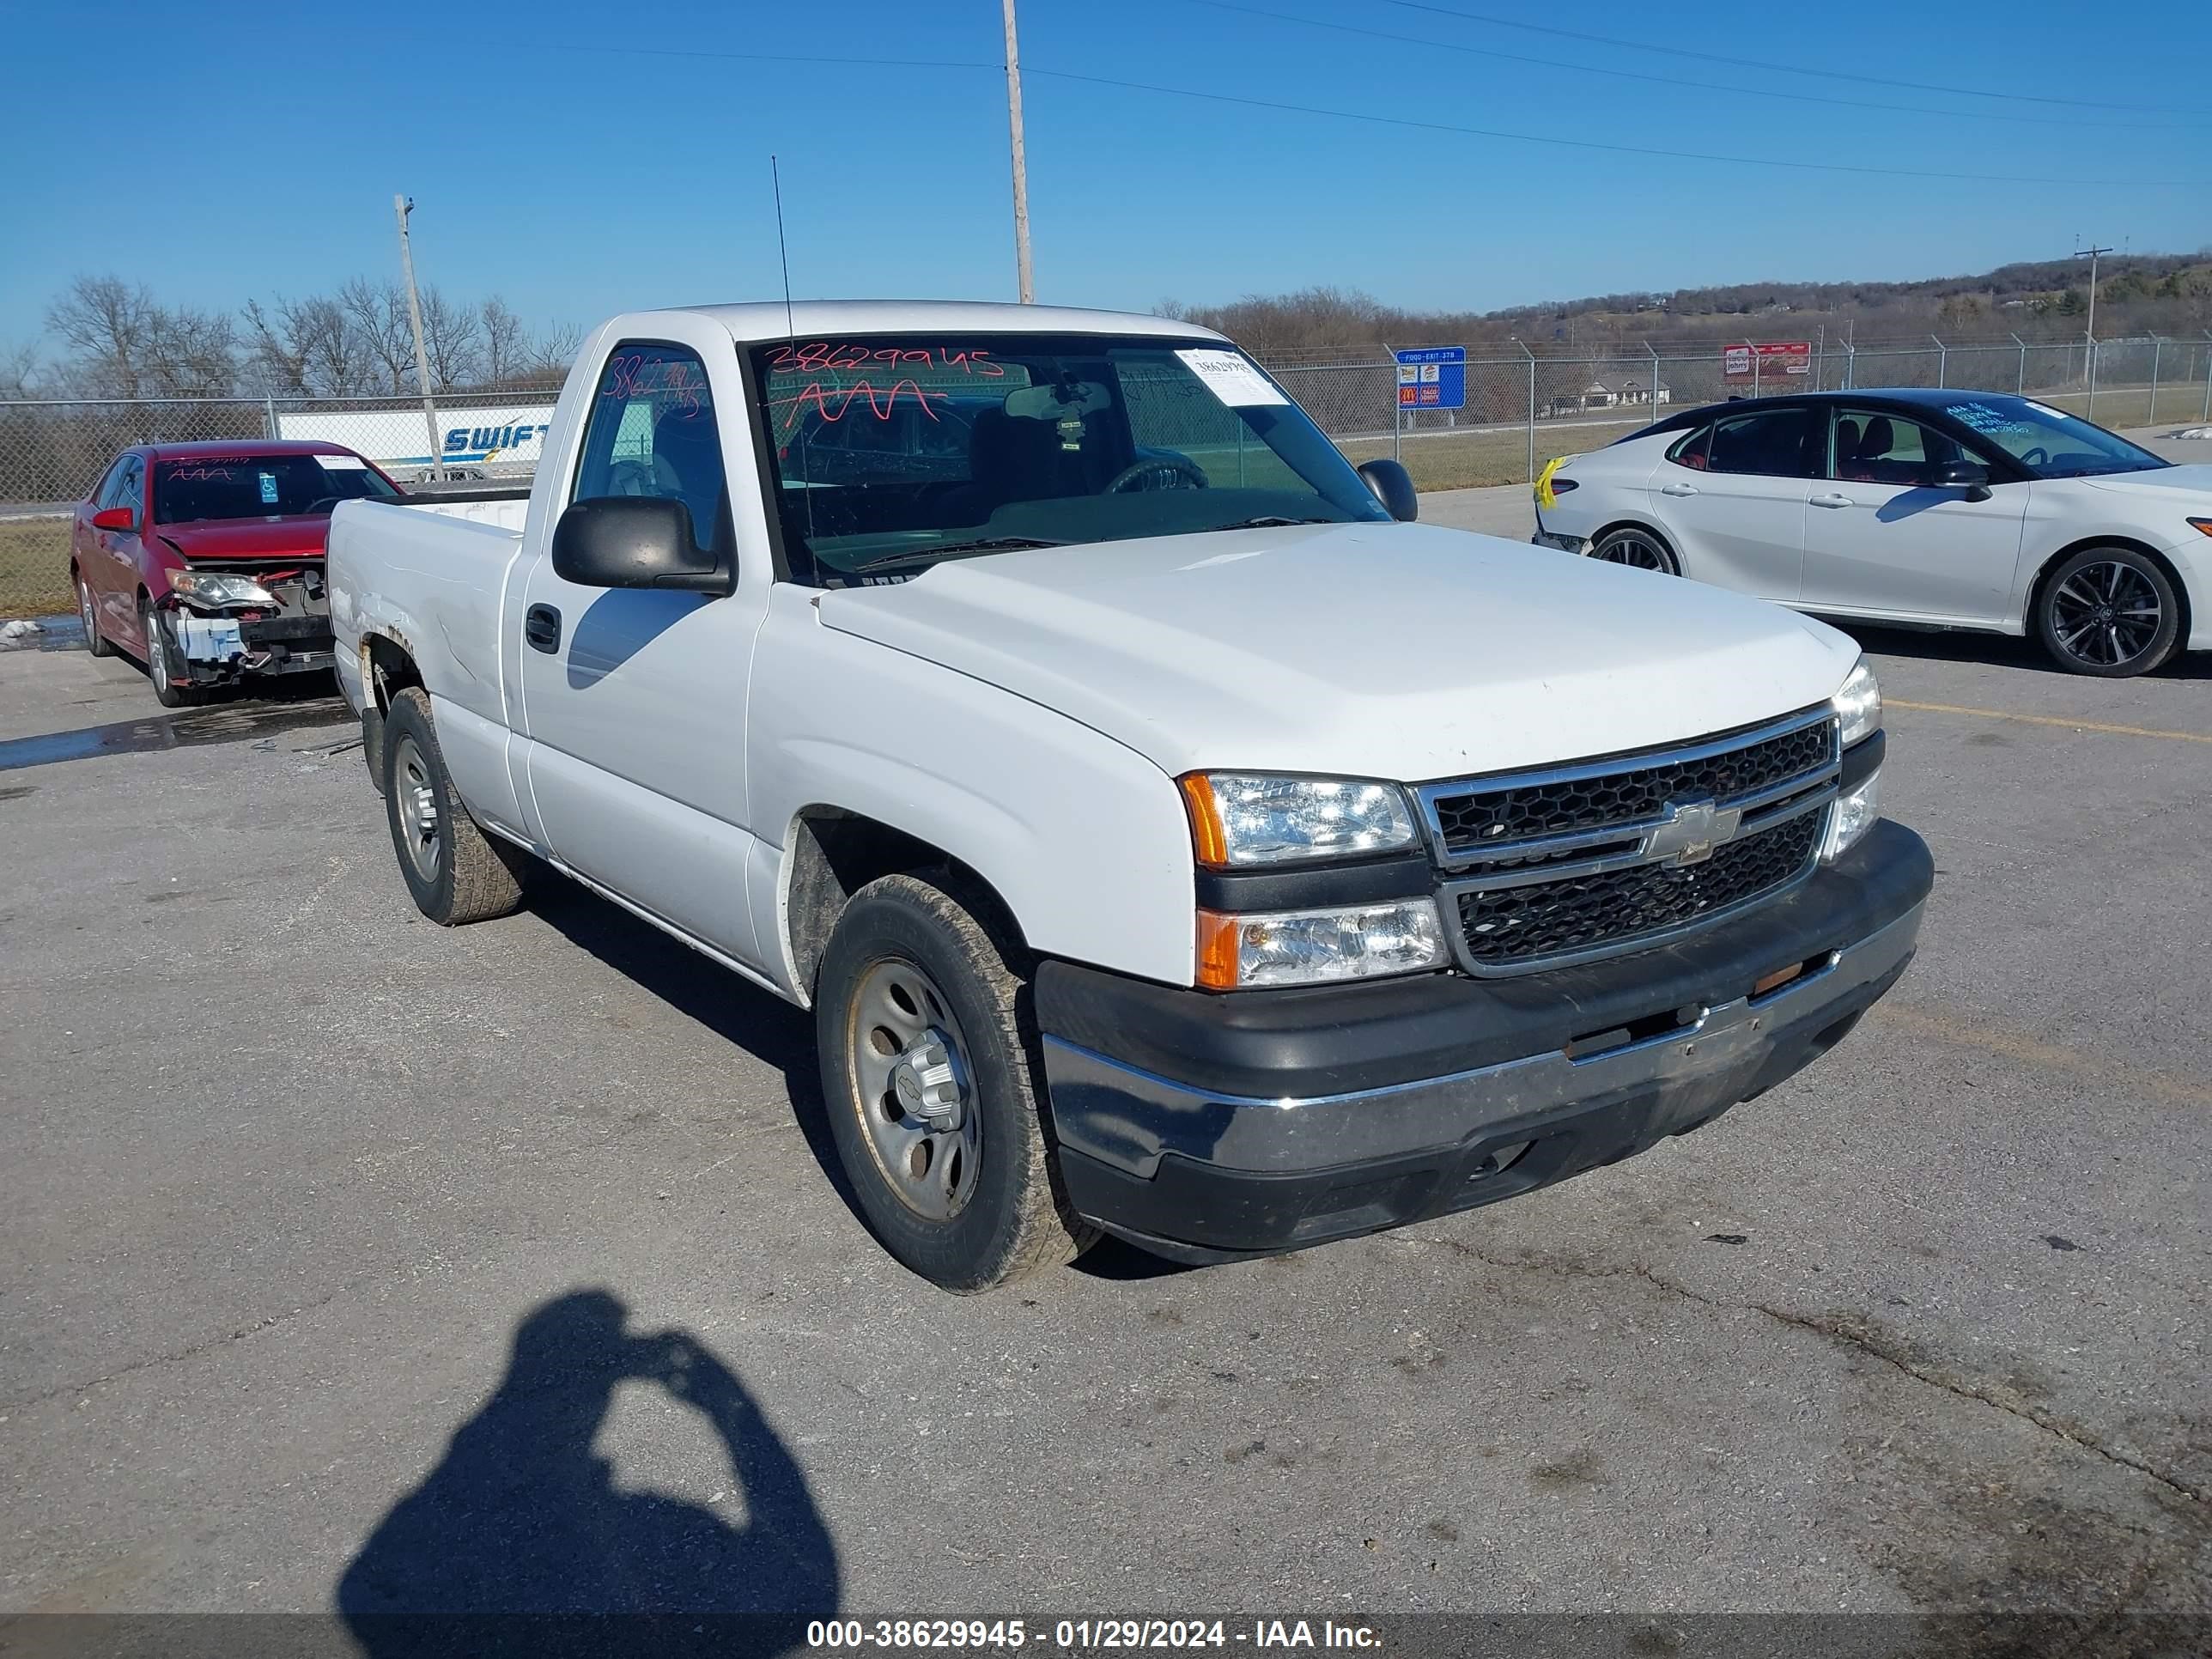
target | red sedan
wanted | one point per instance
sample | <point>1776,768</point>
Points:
<point>205,560</point>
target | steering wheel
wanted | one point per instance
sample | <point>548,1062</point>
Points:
<point>2038,456</point>
<point>1177,466</point>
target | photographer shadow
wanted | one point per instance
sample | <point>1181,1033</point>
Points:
<point>519,1540</point>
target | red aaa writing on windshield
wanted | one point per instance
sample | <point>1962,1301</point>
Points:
<point>833,403</point>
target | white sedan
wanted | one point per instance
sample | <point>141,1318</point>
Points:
<point>1953,509</point>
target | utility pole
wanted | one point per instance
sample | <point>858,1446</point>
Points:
<point>1021,162</point>
<point>401,207</point>
<point>2089,361</point>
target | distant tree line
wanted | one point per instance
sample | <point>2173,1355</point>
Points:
<point>2145,293</point>
<point>119,340</point>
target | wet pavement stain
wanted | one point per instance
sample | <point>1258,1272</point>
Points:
<point>231,723</point>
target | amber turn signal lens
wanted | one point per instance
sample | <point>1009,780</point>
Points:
<point>2203,526</point>
<point>1208,842</point>
<point>1217,951</point>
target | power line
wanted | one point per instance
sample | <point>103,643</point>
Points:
<point>1678,81</point>
<point>1617,149</point>
<point>1399,121</point>
<point>1785,69</point>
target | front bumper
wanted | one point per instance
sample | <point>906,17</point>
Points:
<point>1207,1128</point>
<point>218,649</point>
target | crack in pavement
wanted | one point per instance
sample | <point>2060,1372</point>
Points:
<point>1864,1339</point>
<point>198,1348</point>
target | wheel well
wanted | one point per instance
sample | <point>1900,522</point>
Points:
<point>832,854</point>
<point>1648,528</point>
<point>2050,565</point>
<point>391,670</point>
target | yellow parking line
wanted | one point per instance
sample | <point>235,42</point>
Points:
<point>2024,1049</point>
<point>2049,720</point>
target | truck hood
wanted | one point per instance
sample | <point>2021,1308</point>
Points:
<point>2194,479</point>
<point>1397,651</point>
<point>227,540</point>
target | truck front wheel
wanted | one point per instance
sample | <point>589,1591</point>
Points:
<point>455,871</point>
<point>933,1090</point>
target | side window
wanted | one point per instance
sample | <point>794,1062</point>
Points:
<point>1771,443</point>
<point>1690,451</point>
<point>108,491</point>
<point>1866,447</point>
<point>652,432</point>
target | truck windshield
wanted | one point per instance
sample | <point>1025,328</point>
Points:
<point>190,489</point>
<point>893,452</point>
<point>2049,443</point>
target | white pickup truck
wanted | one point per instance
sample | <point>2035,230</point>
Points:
<point>1170,838</point>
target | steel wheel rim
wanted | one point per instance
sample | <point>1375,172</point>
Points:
<point>913,1089</point>
<point>1639,554</point>
<point>2106,614</point>
<point>414,802</point>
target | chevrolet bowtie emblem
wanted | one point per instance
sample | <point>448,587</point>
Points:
<point>1690,831</point>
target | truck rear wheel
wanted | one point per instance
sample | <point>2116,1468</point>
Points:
<point>456,872</point>
<point>933,1090</point>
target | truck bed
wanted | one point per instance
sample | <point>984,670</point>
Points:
<point>429,574</point>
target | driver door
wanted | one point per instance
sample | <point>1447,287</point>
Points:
<point>634,699</point>
<point>1882,538</point>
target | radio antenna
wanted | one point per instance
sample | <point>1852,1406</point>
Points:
<point>791,353</point>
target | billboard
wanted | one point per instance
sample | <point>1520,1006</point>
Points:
<point>1764,362</point>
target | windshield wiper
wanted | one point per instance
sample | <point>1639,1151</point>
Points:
<point>1269,522</point>
<point>921,555</point>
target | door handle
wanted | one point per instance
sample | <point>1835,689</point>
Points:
<point>541,626</point>
<point>1831,499</point>
<point>1678,490</point>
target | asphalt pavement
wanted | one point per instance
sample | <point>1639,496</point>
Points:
<point>349,1261</point>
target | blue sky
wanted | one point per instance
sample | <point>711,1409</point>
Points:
<point>226,150</point>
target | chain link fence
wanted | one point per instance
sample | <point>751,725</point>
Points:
<point>1521,410</point>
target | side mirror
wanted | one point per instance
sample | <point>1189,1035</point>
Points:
<point>115,518</point>
<point>1394,487</point>
<point>1969,476</point>
<point>636,541</point>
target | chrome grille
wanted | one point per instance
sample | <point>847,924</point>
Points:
<point>1575,862</point>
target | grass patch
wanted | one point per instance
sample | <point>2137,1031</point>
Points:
<point>34,568</point>
<point>1470,461</point>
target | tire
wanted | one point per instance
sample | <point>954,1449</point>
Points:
<point>88,614</point>
<point>913,981</point>
<point>1639,549</point>
<point>456,872</point>
<point>2109,612</point>
<point>166,693</point>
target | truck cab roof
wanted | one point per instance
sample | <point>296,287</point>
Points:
<point>763,320</point>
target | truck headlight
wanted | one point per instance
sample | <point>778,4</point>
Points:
<point>1240,819</point>
<point>1312,947</point>
<point>1858,705</point>
<point>215,589</point>
<point>1852,816</point>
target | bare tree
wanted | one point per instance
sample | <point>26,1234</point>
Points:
<point>192,354</point>
<point>378,313</point>
<point>552,351</point>
<point>506,343</point>
<point>311,347</point>
<point>451,336</point>
<point>22,374</point>
<point>110,324</point>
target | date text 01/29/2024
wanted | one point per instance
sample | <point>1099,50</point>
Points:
<point>1085,1635</point>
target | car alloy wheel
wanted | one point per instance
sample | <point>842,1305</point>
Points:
<point>1637,550</point>
<point>2105,615</point>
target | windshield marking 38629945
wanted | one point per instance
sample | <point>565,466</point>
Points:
<point>892,453</point>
